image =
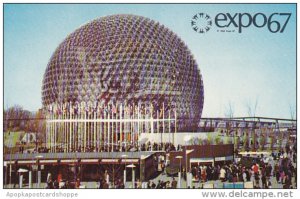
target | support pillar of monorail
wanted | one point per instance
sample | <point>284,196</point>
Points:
<point>30,179</point>
<point>21,181</point>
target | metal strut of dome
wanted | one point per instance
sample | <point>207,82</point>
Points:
<point>92,127</point>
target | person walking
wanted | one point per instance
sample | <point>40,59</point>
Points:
<point>222,174</point>
<point>174,183</point>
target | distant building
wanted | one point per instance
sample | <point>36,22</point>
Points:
<point>29,137</point>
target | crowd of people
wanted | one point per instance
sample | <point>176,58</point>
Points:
<point>280,167</point>
<point>260,172</point>
<point>162,146</point>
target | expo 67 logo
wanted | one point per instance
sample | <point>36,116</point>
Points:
<point>201,22</point>
<point>225,22</point>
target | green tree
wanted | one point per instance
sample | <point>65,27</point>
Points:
<point>218,140</point>
<point>15,118</point>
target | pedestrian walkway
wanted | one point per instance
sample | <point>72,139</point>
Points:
<point>164,178</point>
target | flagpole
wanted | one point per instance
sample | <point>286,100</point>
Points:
<point>64,126</point>
<point>88,143</point>
<point>47,129</point>
<point>50,129</point>
<point>95,131</point>
<point>131,132</point>
<point>99,130</point>
<point>84,136</point>
<point>49,132</point>
<point>78,116</point>
<point>57,116</point>
<point>67,127</point>
<point>66,130</point>
<point>80,127</point>
<point>104,129</point>
<point>152,125</point>
<point>175,130</point>
<point>108,130</point>
<point>138,128</point>
<point>52,132</point>
<point>126,126</point>
<point>71,128</point>
<point>75,130</point>
<point>54,140</point>
<point>157,125</point>
<point>169,110</point>
<point>120,116</point>
<point>87,127</point>
<point>112,128</point>
<point>115,126</point>
<point>163,124</point>
<point>74,127</point>
<point>91,128</point>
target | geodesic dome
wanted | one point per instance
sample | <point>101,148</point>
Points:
<point>126,59</point>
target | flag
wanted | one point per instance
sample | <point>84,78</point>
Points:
<point>120,111</point>
<point>76,108</point>
<point>127,110</point>
<point>114,110</point>
<point>71,108</point>
<point>65,107</point>
<point>50,108</point>
<point>58,110</point>
<point>99,108</point>
<point>94,107</point>
<point>90,109</point>
<point>82,106</point>
<point>86,107</point>
<point>106,109</point>
<point>189,151</point>
<point>151,108</point>
<point>161,112</point>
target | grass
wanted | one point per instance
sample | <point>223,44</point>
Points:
<point>11,140</point>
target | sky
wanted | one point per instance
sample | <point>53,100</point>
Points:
<point>237,68</point>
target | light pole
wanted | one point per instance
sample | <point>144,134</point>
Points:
<point>124,177</point>
<point>38,176</point>
<point>186,165</point>
<point>179,174</point>
<point>5,174</point>
<point>10,167</point>
<point>186,162</point>
<point>133,174</point>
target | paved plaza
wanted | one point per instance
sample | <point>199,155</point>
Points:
<point>163,177</point>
